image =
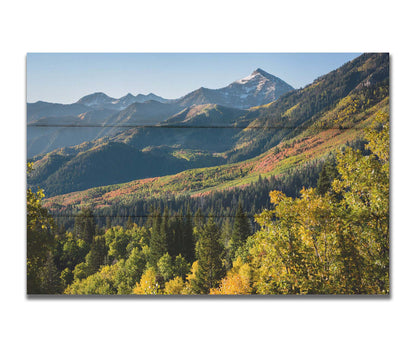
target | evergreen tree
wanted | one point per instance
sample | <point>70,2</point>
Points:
<point>85,225</point>
<point>199,221</point>
<point>129,224</point>
<point>241,230</point>
<point>176,231</point>
<point>188,246</point>
<point>51,282</point>
<point>107,222</point>
<point>328,174</point>
<point>158,239</point>
<point>209,255</point>
<point>226,232</point>
<point>165,267</point>
<point>166,229</point>
<point>180,266</point>
<point>96,257</point>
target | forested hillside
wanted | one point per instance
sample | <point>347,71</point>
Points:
<point>214,135</point>
<point>290,197</point>
<point>331,240</point>
<point>285,162</point>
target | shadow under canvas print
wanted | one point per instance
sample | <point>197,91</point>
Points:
<point>197,174</point>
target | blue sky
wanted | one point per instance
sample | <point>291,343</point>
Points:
<point>66,77</point>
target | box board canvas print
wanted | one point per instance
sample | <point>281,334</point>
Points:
<point>208,174</point>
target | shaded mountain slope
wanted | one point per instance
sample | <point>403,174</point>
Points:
<point>43,109</point>
<point>91,168</point>
<point>191,145</point>
<point>335,102</point>
<point>209,128</point>
<point>49,133</point>
<point>208,115</point>
<point>133,111</point>
<point>309,146</point>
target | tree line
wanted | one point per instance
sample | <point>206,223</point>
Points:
<point>332,239</point>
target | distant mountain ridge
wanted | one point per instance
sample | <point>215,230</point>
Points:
<point>42,109</point>
<point>102,100</point>
<point>49,124</point>
<point>259,88</point>
<point>300,126</point>
<point>256,89</point>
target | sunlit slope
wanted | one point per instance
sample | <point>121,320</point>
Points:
<point>360,84</point>
<point>342,125</point>
<point>211,135</point>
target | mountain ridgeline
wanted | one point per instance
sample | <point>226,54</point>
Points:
<point>50,126</point>
<point>213,193</point>
<point>210,135</point>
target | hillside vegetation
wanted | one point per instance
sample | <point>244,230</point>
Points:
<point>310,145</point>
<point>330,240</point>
<point>215,135</point>
<point>290,197</point>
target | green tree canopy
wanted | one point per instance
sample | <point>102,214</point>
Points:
<point>40,242</point>
<point>209,253</point>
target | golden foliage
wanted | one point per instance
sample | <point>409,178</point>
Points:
<point>175,286</point>
<point>336,243</point>
<point>237,281</point>
<point>148,284</point>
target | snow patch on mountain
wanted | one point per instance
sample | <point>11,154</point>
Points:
<point>246,79</point>
<point>256,89</point>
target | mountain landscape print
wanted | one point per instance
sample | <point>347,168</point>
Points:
<point>208,174</point>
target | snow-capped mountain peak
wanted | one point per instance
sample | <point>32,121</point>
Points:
<point>260,71</point>
<point>247,79</point>
<point>256,74</point>
<point>256,89</point>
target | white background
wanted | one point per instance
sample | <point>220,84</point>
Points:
<point>218,26</point>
